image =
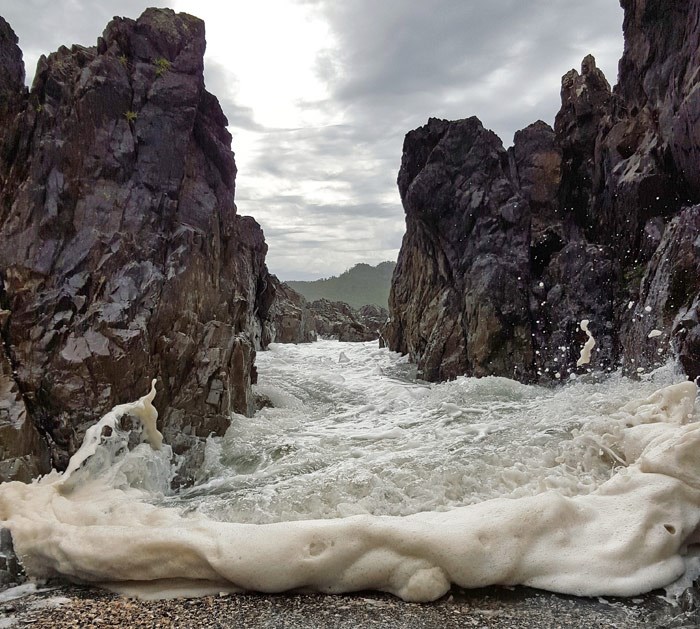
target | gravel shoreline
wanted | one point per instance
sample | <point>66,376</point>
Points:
<point>70,606</point>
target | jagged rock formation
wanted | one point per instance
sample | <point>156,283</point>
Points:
<point>337,320</point>
<point>669,300</point>
<point>294,320</point>
<point>506,252</point>
<point>450,283</point>
<point>291,319</point>
<point>123,256</point>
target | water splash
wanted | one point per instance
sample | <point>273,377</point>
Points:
<point>586,350</point>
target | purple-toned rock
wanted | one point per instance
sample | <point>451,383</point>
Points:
<point>127,260</point>
<point>536,169</point>
<point>585,101</point>
<point>666,317</point>
<point>648,151</point>
<point>501,261</point>
<point>462,276</point>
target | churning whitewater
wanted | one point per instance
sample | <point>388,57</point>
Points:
<point>357,476</point>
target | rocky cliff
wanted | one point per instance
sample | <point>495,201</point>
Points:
<point>123,257</point>
<point>505,252</point>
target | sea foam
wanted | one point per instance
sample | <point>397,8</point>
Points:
<point>627,535</point>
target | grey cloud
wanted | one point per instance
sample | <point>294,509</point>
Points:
<point>220,82</point>
<point>402,59</point>
<point>397,63</point>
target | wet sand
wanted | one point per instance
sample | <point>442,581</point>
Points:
<point>72,606</point>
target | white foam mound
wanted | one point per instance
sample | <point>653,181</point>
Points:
<point>628,537</point>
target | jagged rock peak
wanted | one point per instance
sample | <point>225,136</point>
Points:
<point>500,264</point>
<point>11,63</point>
<point>582,95</point>
<point>128,258</point>
<point>160,38</point>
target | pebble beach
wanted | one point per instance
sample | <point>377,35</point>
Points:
<point>78,607</point>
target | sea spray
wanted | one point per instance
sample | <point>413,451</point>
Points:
<point>625,536</point>
<point>585,356</point>
<point>143,409</point>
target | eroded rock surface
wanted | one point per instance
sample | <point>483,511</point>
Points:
<point>128,259</point>
<point>337,320</point>
<point>291,319</point>
<point>462,274</point>
<point>666,317</point>
<point>505,254</point>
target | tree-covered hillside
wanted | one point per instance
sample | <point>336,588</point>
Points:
<point>362,284</point>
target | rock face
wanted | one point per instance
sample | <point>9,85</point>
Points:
<point>450,283</point>
<point>506,252</point>
<point>337,320</point>
<point>127,260</point>
<point>291,319</point>
<point>11,571</point>
<point>669,300</point>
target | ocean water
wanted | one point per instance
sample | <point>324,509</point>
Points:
<point>352,431</point>
<point>360,477</point>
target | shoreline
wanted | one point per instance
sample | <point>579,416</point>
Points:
<point>65,606</point>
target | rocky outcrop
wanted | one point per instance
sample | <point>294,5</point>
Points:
<point>373,317</point>
<point>648,152</point>
<point>505,253</point>
<point>337,320</point>
<point>11,64</point>
<point>585,101</point>
<point>666,317</point>
<point>128,259</point>
<point>462,208</point>
<point>292,319</point>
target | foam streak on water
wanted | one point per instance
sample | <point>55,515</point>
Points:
<point>592,488</point>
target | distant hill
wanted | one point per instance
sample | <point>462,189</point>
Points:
<point>361,285</point>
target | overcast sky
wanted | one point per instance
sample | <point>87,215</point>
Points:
<point>320,93</point>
